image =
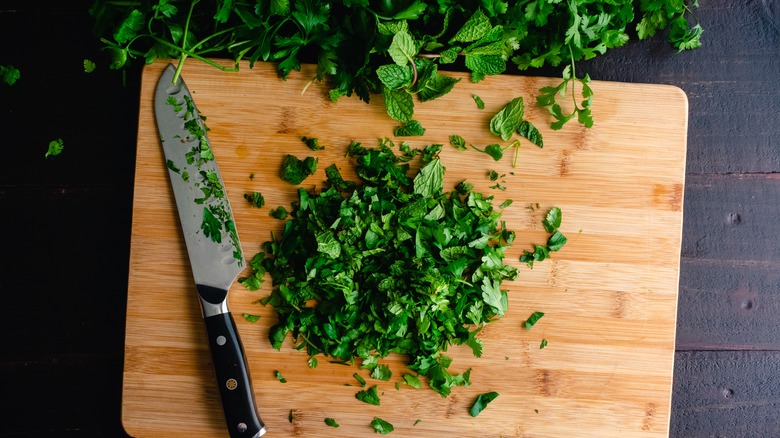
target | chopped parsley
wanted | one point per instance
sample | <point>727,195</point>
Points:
<point>394,265</point>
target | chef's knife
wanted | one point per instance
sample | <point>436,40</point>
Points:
<point>212,244</point>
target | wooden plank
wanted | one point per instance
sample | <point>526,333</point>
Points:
<point>730,272</point>
<point>726,393</point>
<point>610,296</point>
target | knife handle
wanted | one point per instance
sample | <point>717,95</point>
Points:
<point>235,386</point>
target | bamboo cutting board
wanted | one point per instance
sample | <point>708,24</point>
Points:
<point>609,296</point>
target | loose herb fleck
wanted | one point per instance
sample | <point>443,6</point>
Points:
<point>251,318</point>
<point>331,422</point>
<point>481,403</point>
<point>279,376</point>
<point>55,148</point>
<point>381,426</point>
<point>256,199</point>
<point>533,319</point>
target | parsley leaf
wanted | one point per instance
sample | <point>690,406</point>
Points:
<point>370,396</point>
<point>55,148</point>
<point>9,75</point>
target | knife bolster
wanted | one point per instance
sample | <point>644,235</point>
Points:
<point>213,300</point>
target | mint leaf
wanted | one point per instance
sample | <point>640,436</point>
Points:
<point>481,403</point>
<point>402,49</point>
<point>399,104</point>
<point>437,86</point>
<point>508,120</point>
<point>430,180</point>
<point>529,131</point>
<point>484,65</point>
<point>394,76</point>
<point>556,241</point>
<point>533,319</point>
<point>476,27</point>
<point>478,101</point>
<point>410,129</point>
<point>458,142</point>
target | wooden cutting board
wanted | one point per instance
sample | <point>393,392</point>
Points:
<point>609,296</point>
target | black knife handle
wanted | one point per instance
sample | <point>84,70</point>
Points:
<point>235,386</point>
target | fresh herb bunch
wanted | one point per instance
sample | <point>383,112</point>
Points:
<point>392,265</point>
<point>394,47</point>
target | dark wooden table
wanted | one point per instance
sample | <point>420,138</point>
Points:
<point>65,222</point>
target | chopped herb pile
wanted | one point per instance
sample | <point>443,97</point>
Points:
<point>393,265</point>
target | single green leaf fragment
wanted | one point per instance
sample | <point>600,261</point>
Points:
<point>313,362</point>
<point>370,396</point>
<point>533,319</point>
<point>399,104</point>
<point>256,199</point>
<point>556,241</point>
<point>381,372</point>
<point>552,220</point>
<point>412,128</point>
<point>251,318</point>
<point>295,170</point>
<point>55,148</point>
<point>481,402</point>
<point>279,376</point>
<point>412,380</point>
<point>381,426</point>
<point>9,74</point>
<point>430,180</point>
<point>279,212</point>
<point>529,131</point>
<point>331,422</point>
<point>543,344</point>
<point>89,66</point>
<point>360,380</point>
<point>312,143</point>
<point>508,119</point>
<point>478,100</point>
<point>402,49</point>
<point>458,142</point>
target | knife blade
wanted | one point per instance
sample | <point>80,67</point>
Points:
<point>212,242</point>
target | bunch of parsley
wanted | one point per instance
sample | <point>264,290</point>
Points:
<point>395,48</point>
<point>391,265</point>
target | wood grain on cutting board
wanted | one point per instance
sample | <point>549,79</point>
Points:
<point>609,296</point>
